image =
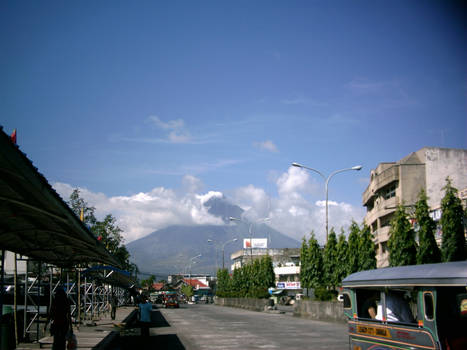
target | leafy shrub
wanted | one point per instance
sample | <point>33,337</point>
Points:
<point>250,281</point>
<point>258,293</point>
<point>323,294</point>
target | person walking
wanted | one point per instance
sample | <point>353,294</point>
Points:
<point>113,306</point>
<point>61,319</point>
<point>145,309</point>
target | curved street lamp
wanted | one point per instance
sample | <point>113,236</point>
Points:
<point>356,167</point>
<point>191,262</point>
<point>223,247</point>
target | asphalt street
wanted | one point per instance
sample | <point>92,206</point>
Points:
<point>202,326</point>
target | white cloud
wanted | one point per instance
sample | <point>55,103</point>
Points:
<point>210,166</point>
<point>143,213</point>
<point>254,201</point>
<point>179,137</point>
<point>298,208</point>
<point>203,198</point>
<point>292,182</point>
<point>177,124</point>
<point>178,133</point>
<point>192,184</point>
<point>267,145</point>
<point>292,213</point>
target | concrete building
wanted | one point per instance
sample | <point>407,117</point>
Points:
<point>400,182</point>
<point>286,263</point>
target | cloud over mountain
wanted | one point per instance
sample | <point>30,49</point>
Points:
<point>297,209</point>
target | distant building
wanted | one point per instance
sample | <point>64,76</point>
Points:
<point>286,263</point>
<point>159,286</point>
<point>400,182</point>
<point>204,278</point>
<point>200,286</point>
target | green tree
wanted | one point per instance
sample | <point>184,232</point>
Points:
<point>238,284</point>
<point>268,276</point>
<point>187,290</point>
<point>305,265</point>
<point>247,271</point>
<point>254,278</point>
<point>148,283</point>
<point>123,256</point>
<point>354,252</point>
<point>106,231</point>
<point>315,256</point>
<point>428,251</point>
<point>330,261</point>
<point>251,280</point>
<point>223,283</point>
<point>76,203</point>
<point>402,246</point>
<point>342,248</point>
<point>366,250</point>
<point>452,223</point>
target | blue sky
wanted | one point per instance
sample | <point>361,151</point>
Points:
<point>167,102</point>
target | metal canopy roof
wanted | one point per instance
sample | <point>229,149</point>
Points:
<point>35,221</point>
<point>110,275</point>
<point>444,274</point>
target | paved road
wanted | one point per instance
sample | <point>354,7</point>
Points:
<point>201,326</point>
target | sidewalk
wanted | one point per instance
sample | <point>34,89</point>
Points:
<point>91,334</point>
<point>130,338</point>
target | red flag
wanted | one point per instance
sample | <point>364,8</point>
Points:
<point>13,136</point>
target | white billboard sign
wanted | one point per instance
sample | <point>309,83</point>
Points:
<point>288,285</point>
<point>255,243</point>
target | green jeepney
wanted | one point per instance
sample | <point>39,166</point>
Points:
<point>408,307</point>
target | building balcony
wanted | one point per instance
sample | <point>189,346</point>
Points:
<point>388,176</point>
<point>382,208</point>
<point>382,235</point>
<point>380,180</point>
<point>382,260</point>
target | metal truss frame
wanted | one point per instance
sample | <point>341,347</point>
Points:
<point>88,302</point>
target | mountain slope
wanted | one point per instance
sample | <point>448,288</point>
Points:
<point>169,250</point>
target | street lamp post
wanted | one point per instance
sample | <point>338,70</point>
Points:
<point>223,246</point>
<point>356,167</point>
<point>217,253</point>
<point>191,262</point>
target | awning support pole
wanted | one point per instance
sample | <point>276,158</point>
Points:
<point>2,283</point>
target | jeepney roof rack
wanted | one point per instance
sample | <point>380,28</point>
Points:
<point>442,274</point>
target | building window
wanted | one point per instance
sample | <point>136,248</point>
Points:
<point>389,191</point>
<point>371,204</point>
<point>386,220</point>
